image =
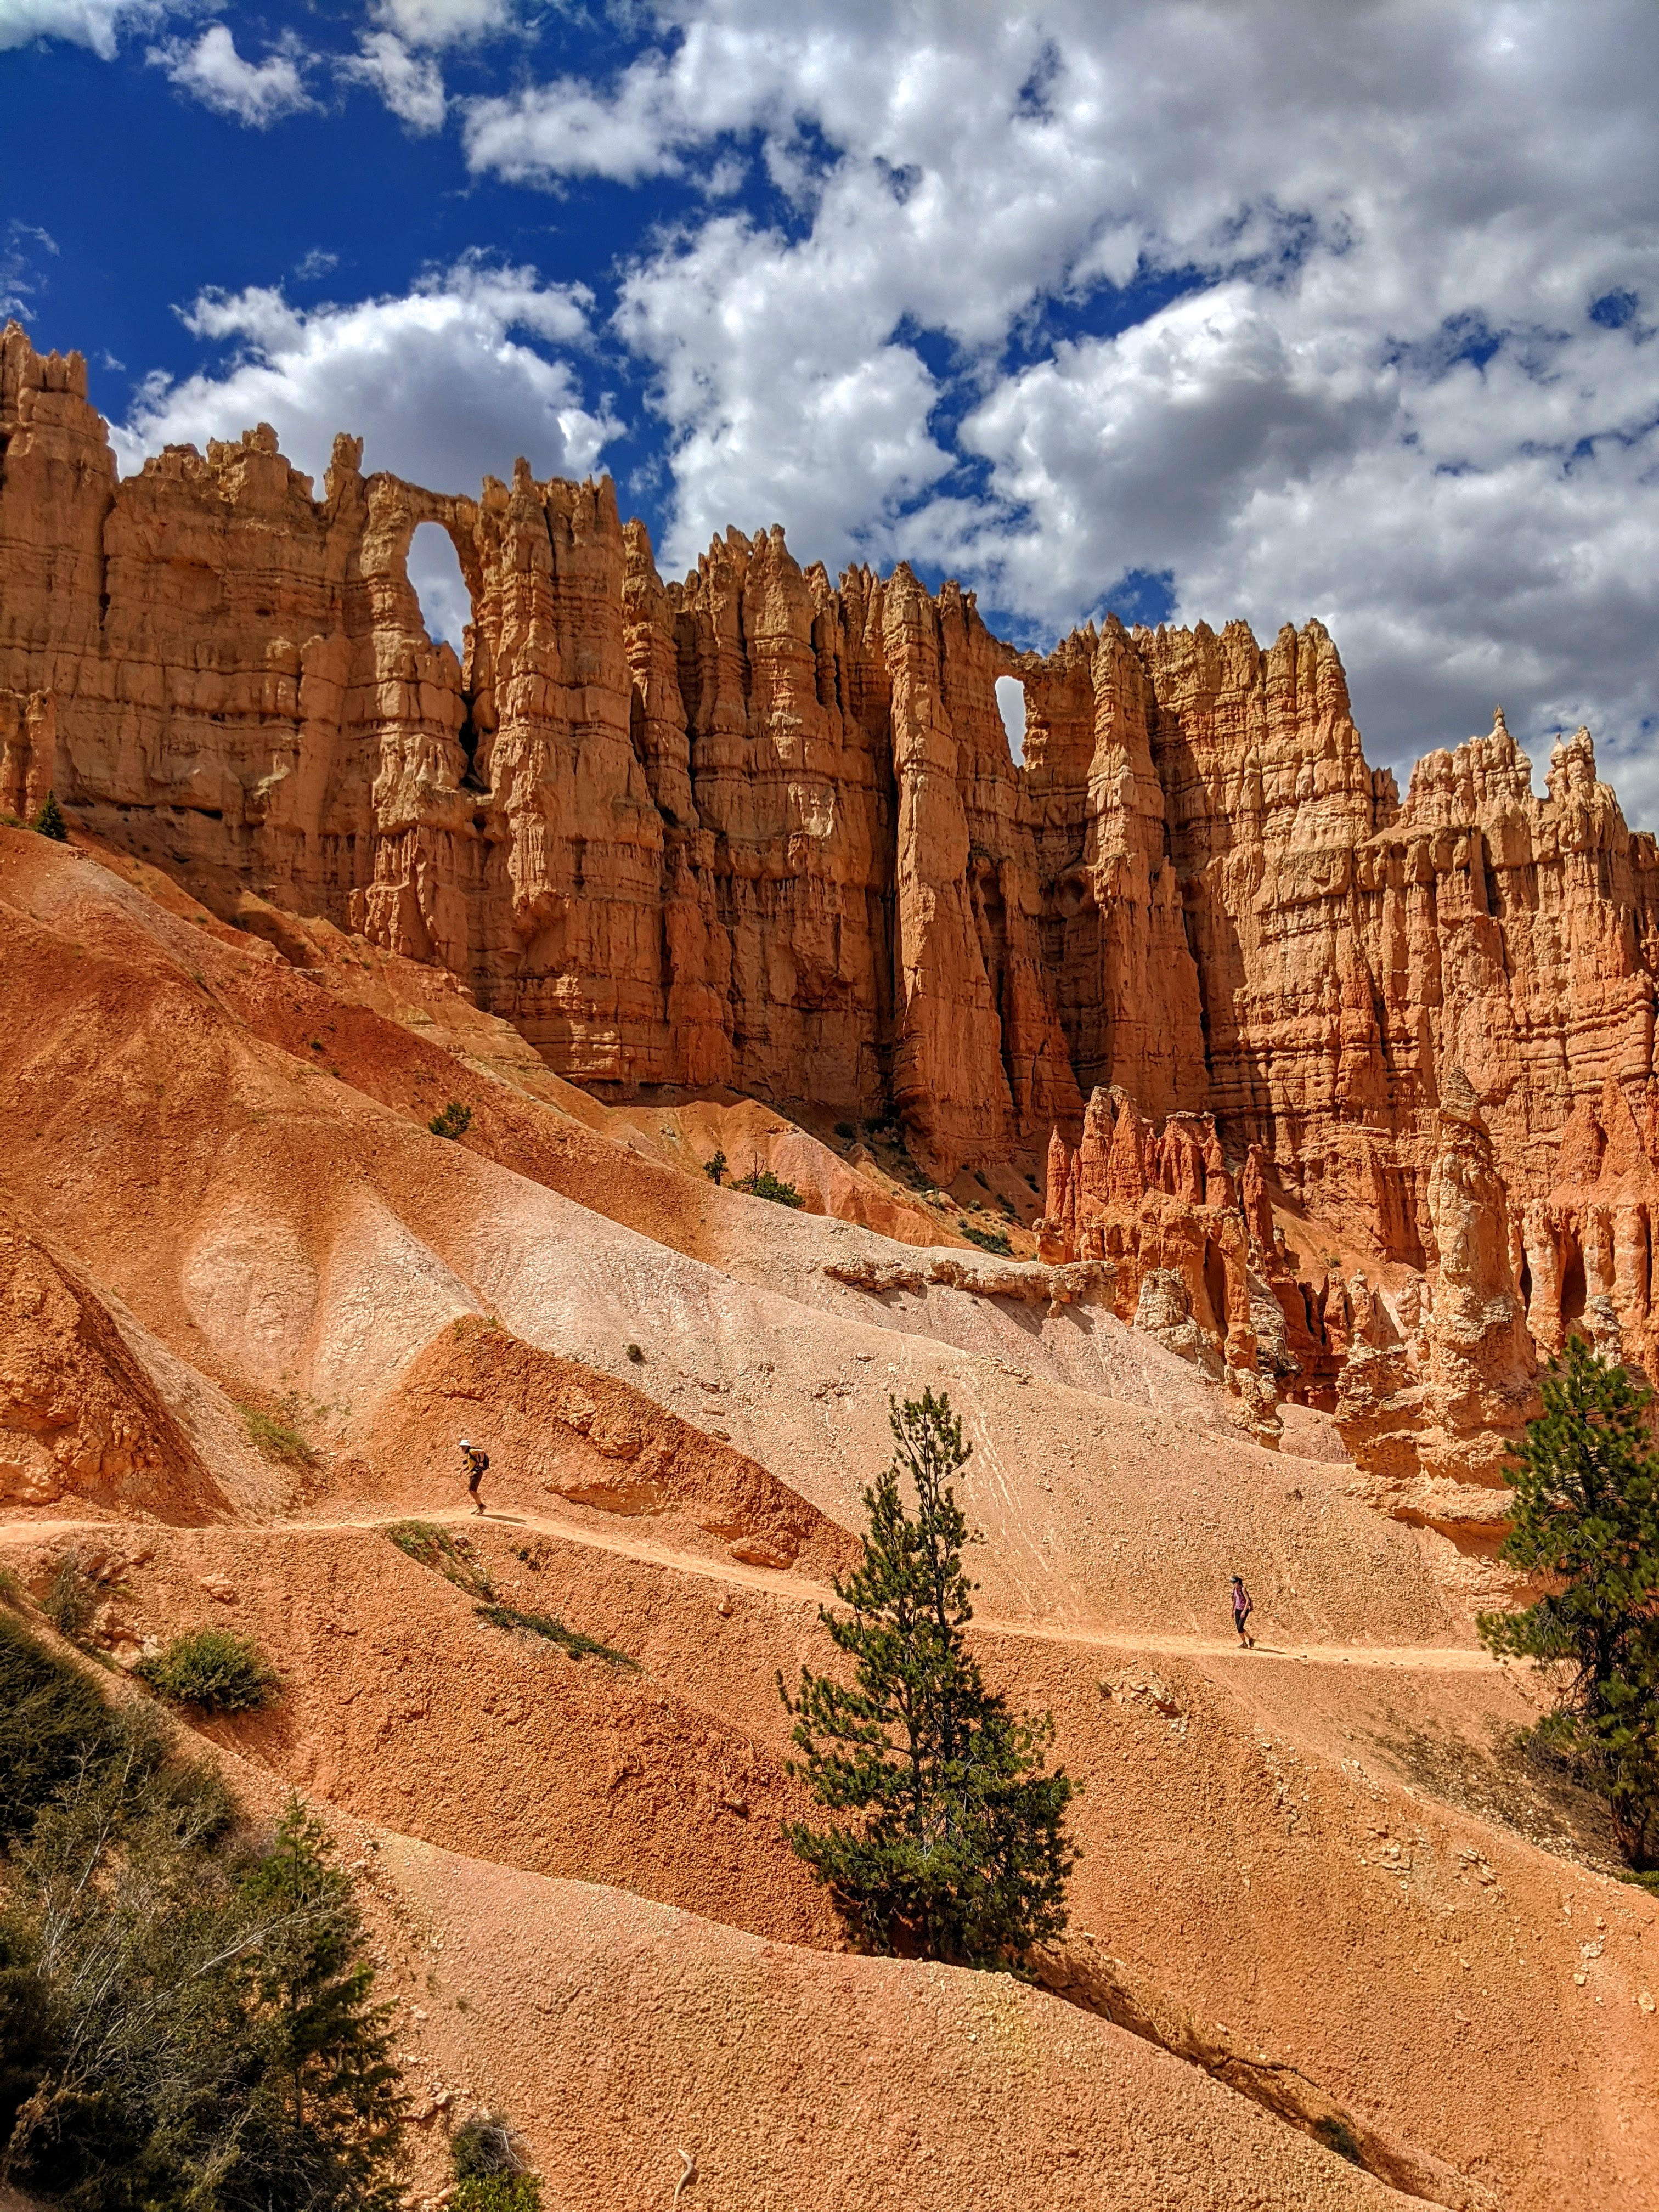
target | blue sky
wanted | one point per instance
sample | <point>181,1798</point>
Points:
<point>1195,308</point>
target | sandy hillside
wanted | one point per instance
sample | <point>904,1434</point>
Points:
<point>219,1205</point>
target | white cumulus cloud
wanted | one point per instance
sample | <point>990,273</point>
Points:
<point>1348,312</point>
<point>411,85</point>
<point>257,93</point>
<point>443,384</point>
<point>95,23</point>
<point>572,129</point>
<point>437,23</point>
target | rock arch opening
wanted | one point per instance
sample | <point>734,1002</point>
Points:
<point>1011,705</point>
<point>433,568</point>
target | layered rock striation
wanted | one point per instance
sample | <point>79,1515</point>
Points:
<point>761,829</point>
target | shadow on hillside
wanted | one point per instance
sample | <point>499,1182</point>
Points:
<point>1512,1783</point>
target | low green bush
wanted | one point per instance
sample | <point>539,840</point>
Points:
<point>454,1120</point>
<point>214,1670</point>
<point>497,2192</point>
<point>765,1184</point>
<point>71,1600</point>
<point>491,2172</point>
<point>484,2144</point>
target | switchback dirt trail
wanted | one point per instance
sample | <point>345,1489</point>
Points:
<point>1417,1658</point>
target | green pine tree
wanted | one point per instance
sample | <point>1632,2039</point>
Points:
<point>958,1849</point>
<point>1586,1482</point>
<point>49,820</point>
<point>324,2123</point>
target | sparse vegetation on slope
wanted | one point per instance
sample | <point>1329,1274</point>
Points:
<point>574,1641</point>
<point>452,1121</point>
<point>187,2020</point>
<point>1586,1481</point>
<point>432,1546</point>
<point>960,1850</point>
<point>213,1670</point>
<point>988,1240</point>
<point>277,1440</point>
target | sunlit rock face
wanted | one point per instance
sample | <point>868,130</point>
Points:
<point>762,829</point>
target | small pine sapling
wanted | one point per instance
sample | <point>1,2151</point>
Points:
<point>50,821</point>
<point>332,2108</point>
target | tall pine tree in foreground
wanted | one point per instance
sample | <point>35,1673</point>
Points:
<point>1586,1482</point>
<point>958,1849</point>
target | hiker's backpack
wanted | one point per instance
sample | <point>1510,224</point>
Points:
<point>481,1461</point>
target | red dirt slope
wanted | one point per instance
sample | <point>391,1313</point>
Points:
<point>561,1430</point>
<point>80,1416</point>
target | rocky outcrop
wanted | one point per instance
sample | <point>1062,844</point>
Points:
<point>80,1417</point>
<point>1088,1282</point>
<point>1429,1426</point>
<point>1160,1207</point>
<point>1152,1199</point>
<point>1586,1248</point>
<point>759,828</point>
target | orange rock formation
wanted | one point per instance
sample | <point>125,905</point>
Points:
<point>759,829</point>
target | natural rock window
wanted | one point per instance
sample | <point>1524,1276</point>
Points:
<point>434,571</point>
<point>1011,705</point>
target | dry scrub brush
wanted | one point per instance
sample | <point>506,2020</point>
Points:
<point>187,2017</point>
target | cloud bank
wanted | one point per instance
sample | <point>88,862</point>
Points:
<point>445,385</point>
<point>1185,307</point>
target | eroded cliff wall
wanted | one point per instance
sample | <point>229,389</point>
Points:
<point>761,829</point>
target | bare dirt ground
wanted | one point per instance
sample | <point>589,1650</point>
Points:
<point>223,1204</point>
